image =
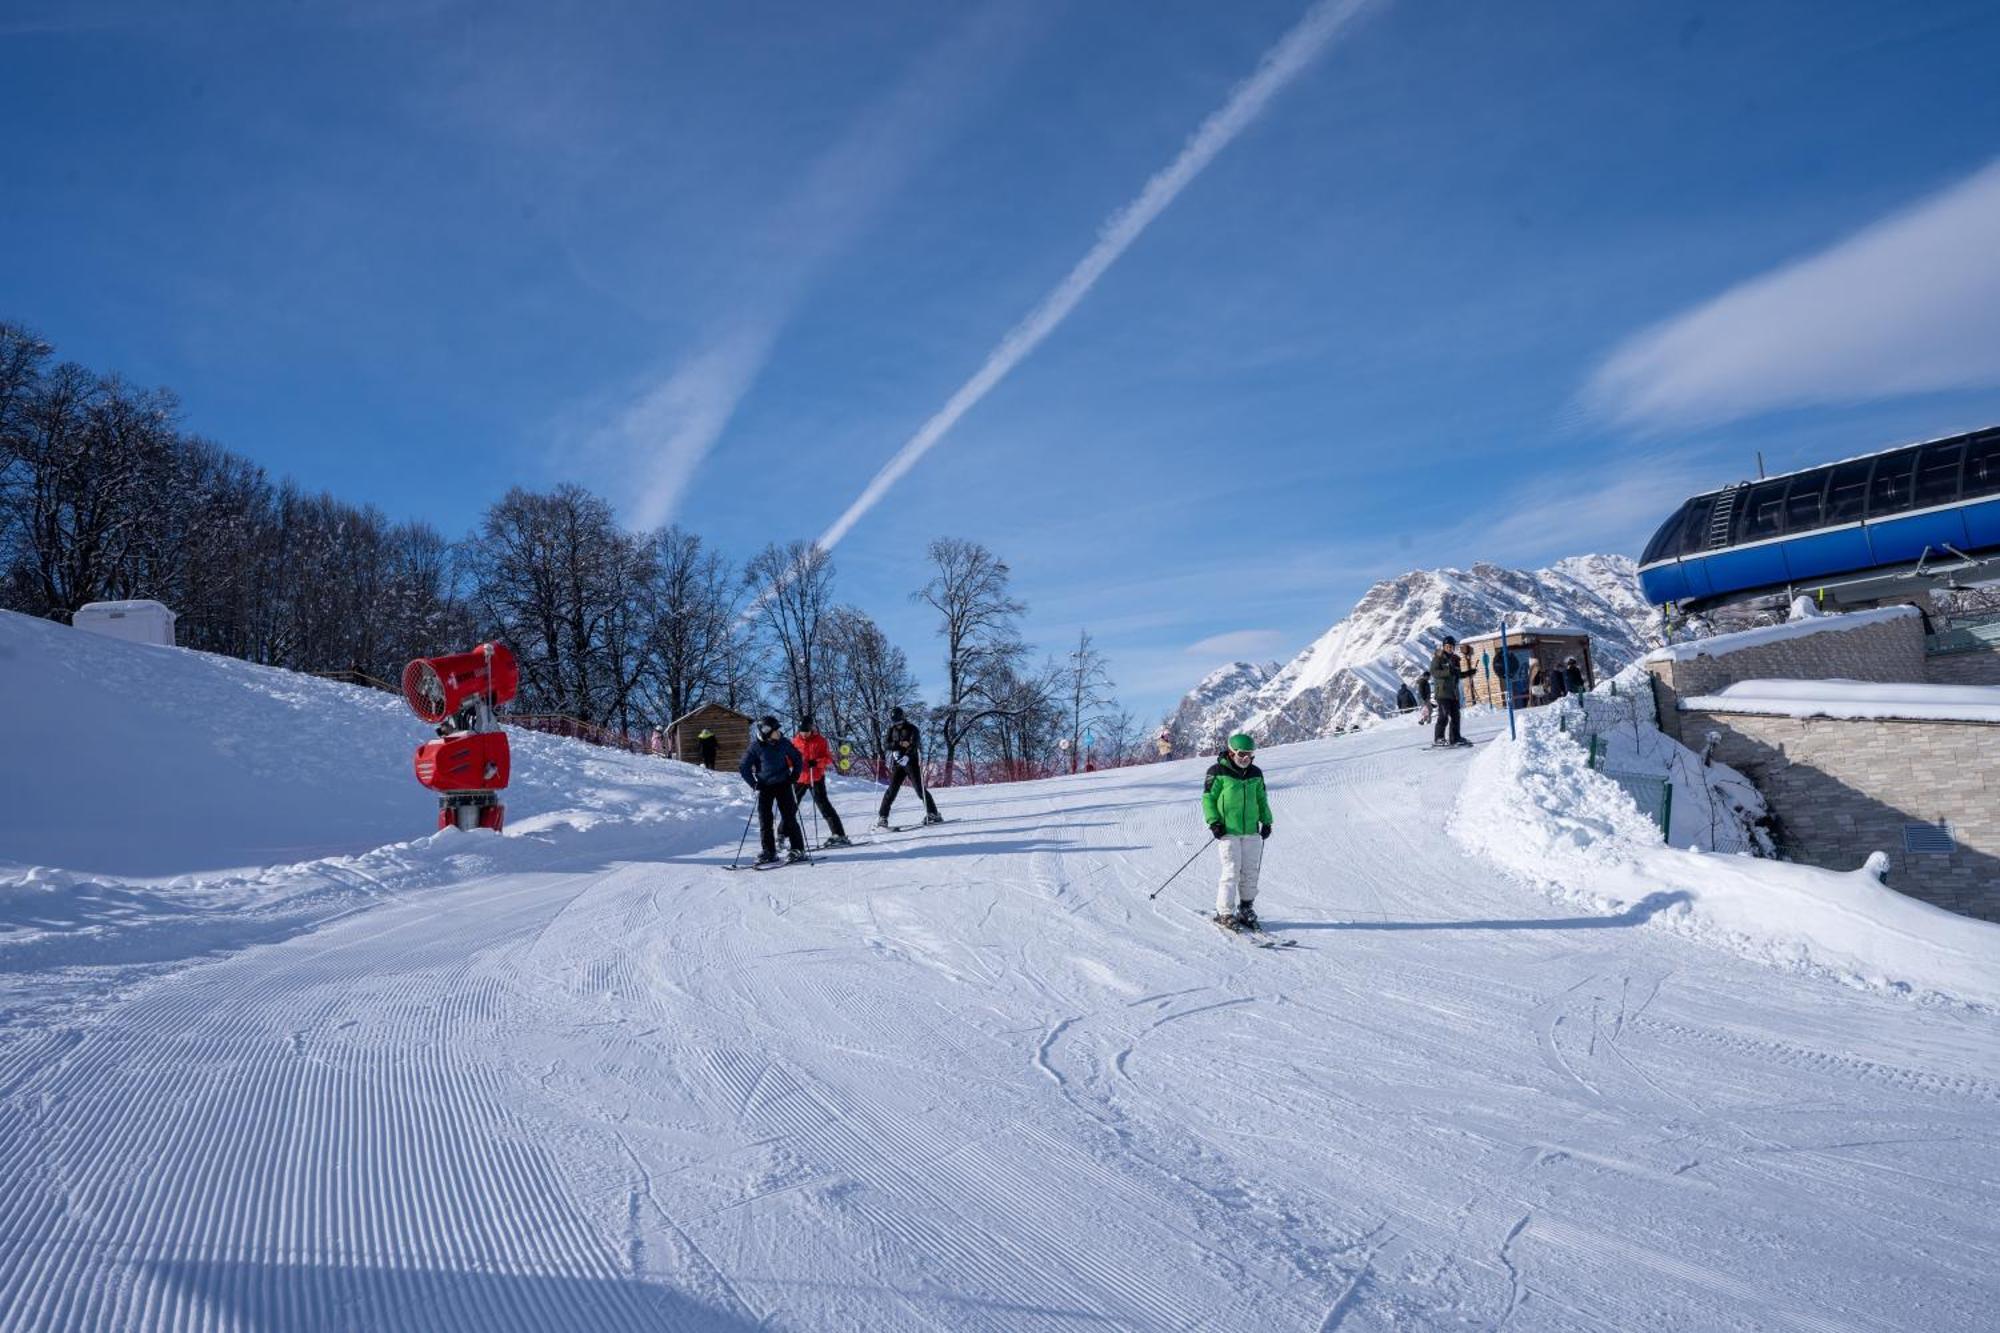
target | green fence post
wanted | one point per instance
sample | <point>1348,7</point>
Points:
<point>1667,815</point>
<point>1592,762</point>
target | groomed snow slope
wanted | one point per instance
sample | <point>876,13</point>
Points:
<point>970,1078</point>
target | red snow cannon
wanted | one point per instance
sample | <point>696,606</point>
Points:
<point>469,760</point>
<point>437,687</point>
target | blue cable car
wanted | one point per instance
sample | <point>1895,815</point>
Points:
<point>1863,520</point>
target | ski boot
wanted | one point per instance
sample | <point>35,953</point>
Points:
<point>796,855</point>
<point>838,840</point>
<point>1227,920</point>
<point>766,859</point>
<point>1246,917</point>
<point>933,818</point>
<point>882,824</point>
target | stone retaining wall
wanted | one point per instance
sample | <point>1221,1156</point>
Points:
<point>1843,788</point>
<point>1888,650</point>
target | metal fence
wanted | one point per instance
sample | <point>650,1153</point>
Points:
<point>1590,717</point>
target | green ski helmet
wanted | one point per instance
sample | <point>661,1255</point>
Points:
<point>1241,741</point>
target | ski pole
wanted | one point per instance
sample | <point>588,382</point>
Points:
<point>747,816</point>
<point>1177,874</point>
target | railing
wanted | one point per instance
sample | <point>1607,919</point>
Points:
<point>576,729</point>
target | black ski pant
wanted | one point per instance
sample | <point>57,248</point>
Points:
<point>778,794</point>
<point>826,810</point>
<point>1447,714</point>
<point>910,773</point>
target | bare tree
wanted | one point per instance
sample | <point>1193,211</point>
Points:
<point>866,677</point>
<point>693,607</point>
<point>977,619</point>
<point>793,587</point>
<point>1086,693</point>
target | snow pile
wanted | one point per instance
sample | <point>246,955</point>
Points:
<point>1855,699</point>
<point>1351,673</point>
<point>1535,807</point>
<point>1722,644</point>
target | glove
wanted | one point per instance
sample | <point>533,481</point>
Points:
<point>1219,829</point>
<point>1263,830</point>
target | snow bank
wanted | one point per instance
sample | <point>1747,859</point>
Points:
<point>160,802</point>
<point>1855,699</point>
<point>1721,644</point>
<point>1535,807</point>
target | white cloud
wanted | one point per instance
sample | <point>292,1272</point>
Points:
<point>658,441</point>
<point>1241,643</point>
<point>1280,65</point>
<point>1910,304</point>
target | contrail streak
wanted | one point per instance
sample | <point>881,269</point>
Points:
<point>1280,65</point>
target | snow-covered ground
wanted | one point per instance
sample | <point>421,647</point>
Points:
<point>965,1078</point>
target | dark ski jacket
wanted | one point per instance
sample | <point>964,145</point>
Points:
<point>1404,699</point>
<point>904,738</point>
<point>1236,797</point>
<point>1445,675</point>
<point>768,763</point>
<point>1573,677</point>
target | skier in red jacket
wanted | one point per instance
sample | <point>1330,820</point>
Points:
<point>818,756</point>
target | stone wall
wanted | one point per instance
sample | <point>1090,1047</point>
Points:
<point>1973,667</point>
<point>1886,650</point>
<point>1843,788</point>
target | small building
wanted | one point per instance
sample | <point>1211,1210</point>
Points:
<point>732,735</point>
<point>135,622</point>
<point>1495,673</point>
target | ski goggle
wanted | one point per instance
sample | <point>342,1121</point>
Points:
<point>1242,754</point>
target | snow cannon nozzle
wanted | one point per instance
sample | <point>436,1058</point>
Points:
<point>437,687</point>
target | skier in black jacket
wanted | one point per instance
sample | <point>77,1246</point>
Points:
<point>772,766</point>
<point>906,764</point>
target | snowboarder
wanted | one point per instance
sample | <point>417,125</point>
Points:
<point>705,744</point>
<point>1238,812</point>
<point>906,764</point>
<point>1446,672</point>
<point>817,756</point>
<point>772,766</point>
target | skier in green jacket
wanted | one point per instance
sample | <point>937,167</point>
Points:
<point>1237,811</point>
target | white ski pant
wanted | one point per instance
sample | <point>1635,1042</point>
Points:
<point>1242,857</point>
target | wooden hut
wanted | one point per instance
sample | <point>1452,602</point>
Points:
<point>732,735</point>
<point>1493,675</point>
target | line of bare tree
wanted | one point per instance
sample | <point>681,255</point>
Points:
<point>103,496</point>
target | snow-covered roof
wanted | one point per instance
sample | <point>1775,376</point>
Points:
<point>1792,629</point>
<point>145,604</point>
<point>1854,699</point>
<point>1516,631</point>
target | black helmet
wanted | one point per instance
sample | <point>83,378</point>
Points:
<point>806,722</point>
<point>895,715</point>
<point>1450,640</point>
<point>767,725</point>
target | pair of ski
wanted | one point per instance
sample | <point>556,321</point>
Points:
<point>1256,936</point>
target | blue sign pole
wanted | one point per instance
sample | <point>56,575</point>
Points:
<point>1506,659</point>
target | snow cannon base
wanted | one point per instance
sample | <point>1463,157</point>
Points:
<point>470,810</point>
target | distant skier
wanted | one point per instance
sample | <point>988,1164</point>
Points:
<point>772,766</point>
<point>705,746</point>
<point>817,757</point>
<point>906,764</point>
<point>1446,672</point>
<point>1424,698</point>
<point>1406,698</point>
<point>1573,676</point>
<point>1238,812</point>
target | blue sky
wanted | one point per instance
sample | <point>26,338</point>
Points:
<point>1469,282</point>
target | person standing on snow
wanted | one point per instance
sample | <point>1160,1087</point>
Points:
<point>705,746</point>
<point>772,766</point>
<point>1573,676</point>
<point>1238,812</point>
<point>1424,698</point>
<point>1446,672</point>
<point>906,764</point>
<point>817,756</point>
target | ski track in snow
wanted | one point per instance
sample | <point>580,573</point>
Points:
<point>975,1080</point>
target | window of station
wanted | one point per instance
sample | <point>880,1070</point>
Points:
<point>1937,473</point>
<point>1890,491</point>
<point>1804,502</point>
<point>1666,539</point>
<point>1847,493</point>
<point>1982,465</point>
<point>1694,534</point>
<point>1764,511</point>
